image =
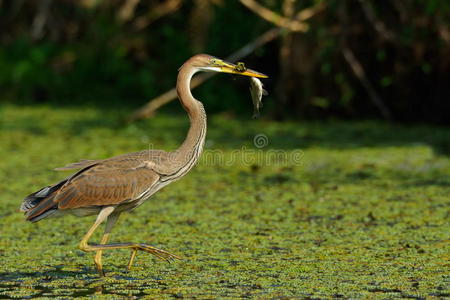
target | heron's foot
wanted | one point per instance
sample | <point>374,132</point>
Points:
<point>161,254</point>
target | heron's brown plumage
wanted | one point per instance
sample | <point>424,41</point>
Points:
<point>108,183</point>
<point>112,181</point>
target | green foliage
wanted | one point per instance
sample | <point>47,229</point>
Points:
<point>363,214</point>
<point>48,73</point>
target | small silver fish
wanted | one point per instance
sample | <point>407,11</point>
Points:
<point>257,91</point>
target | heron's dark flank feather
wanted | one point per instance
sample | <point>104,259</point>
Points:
<point>40,204</point>
<point>35,198</point>
<point>45,208</point>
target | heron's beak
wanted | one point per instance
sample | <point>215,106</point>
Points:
<point>226,67</point>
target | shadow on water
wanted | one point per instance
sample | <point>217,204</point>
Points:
<point>42,291</point>
<point>63,283</point>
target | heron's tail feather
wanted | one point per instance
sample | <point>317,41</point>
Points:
<point>40,204</point>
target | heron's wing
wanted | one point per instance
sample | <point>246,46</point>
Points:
<point>149,155</point>
<point>107,183</point>
<point>79,165</point>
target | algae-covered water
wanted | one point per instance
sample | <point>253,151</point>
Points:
<point>273,210</point>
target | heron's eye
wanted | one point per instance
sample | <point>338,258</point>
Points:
<point>213,61</point>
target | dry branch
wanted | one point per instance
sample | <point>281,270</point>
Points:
<point>126,12</point>
<point>285,55</point>
<point>276,19</point>
<point>156,13</point>
<point>310,12</point>
<point>37,28</point>
<point>377,24</point>
<point>357,68</point>
<point>359,72</point>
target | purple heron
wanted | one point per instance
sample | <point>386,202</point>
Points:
<point>108,187</point>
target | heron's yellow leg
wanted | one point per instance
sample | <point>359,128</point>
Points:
<point>112,219</point>
<point>133,255</point>
<point>98,255</point>
<point>162,254</point>
<point>104,213</point>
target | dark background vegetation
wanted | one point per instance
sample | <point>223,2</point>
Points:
<point>112,53</point>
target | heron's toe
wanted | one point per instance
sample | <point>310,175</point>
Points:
<point>161,254</point>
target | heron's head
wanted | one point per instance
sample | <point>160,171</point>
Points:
<point>210,63</point>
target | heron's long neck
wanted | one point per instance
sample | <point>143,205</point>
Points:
<point>190,150</point>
